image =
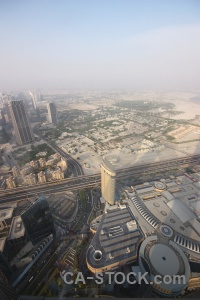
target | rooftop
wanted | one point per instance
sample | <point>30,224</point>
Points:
<point>160,209</point>
<point>114,241</point>
<point>164,259</point>
<point>181,210</point>
<point>6,214</point>
<point>17,228</point>
<point>107,165</point>
<point>175,203</point>
<point>159,255</point>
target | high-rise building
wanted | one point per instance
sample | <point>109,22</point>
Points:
<point>16,171</point>
<point>58,174</point>
<point>20,122</point>
<point>5,221</point>
<point>11,183</point>
<point>62,164</point>
<point>1,157</point>
<point>108,181</point>
<point>42,162</point>
<point>16,238</point>
<point>2,115</point>
<point>34,164</point>
<point>6,99</point>
<point>30,179</point>
<point>52,113</point>
<point>42,177</point>
<point>38,220</point>
<point>34,98</point>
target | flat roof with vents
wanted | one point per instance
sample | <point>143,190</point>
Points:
<point>181,210</point>
<point>17,229</point>
<point>117,237</point>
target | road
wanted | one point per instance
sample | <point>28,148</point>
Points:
<point>75,166</point>
<point>86,181</point>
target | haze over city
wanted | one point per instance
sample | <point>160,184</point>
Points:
<point>100,44</point>
<point>99,149</point>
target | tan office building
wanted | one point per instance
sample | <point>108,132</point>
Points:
<point>108,181</point>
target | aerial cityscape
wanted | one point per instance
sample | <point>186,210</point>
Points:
<point>100,164</point>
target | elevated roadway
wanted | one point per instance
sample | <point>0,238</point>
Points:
<point>86,181</point>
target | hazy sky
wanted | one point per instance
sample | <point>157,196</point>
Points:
<point>152,44</point>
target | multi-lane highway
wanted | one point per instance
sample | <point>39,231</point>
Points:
<point>83,181</point>
<point>163,165</point>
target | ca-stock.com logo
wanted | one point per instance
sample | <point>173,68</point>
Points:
<point>120,278</point>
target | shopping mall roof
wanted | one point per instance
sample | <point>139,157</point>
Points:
<point>181,210</point>
<point>113,241</point>
<point>164,259</point>
<point>177,205</point>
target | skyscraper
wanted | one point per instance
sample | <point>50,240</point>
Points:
<point>38,220</point>
<point>52,113</point>
<point>108,181</point>
<point>20,121</point>
<point>6,111</point>
<point>34,98</point>
<point>2,115</point>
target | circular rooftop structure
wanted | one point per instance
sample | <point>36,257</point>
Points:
<point>160,185</point>
<point>161,256</point>
<point>164,260</point>
<point>23,203</point>
<point>163,212</point>
<point>166,231</point>
<point>97,255</point>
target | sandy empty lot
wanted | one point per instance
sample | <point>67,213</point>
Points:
<point>82,106</point>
